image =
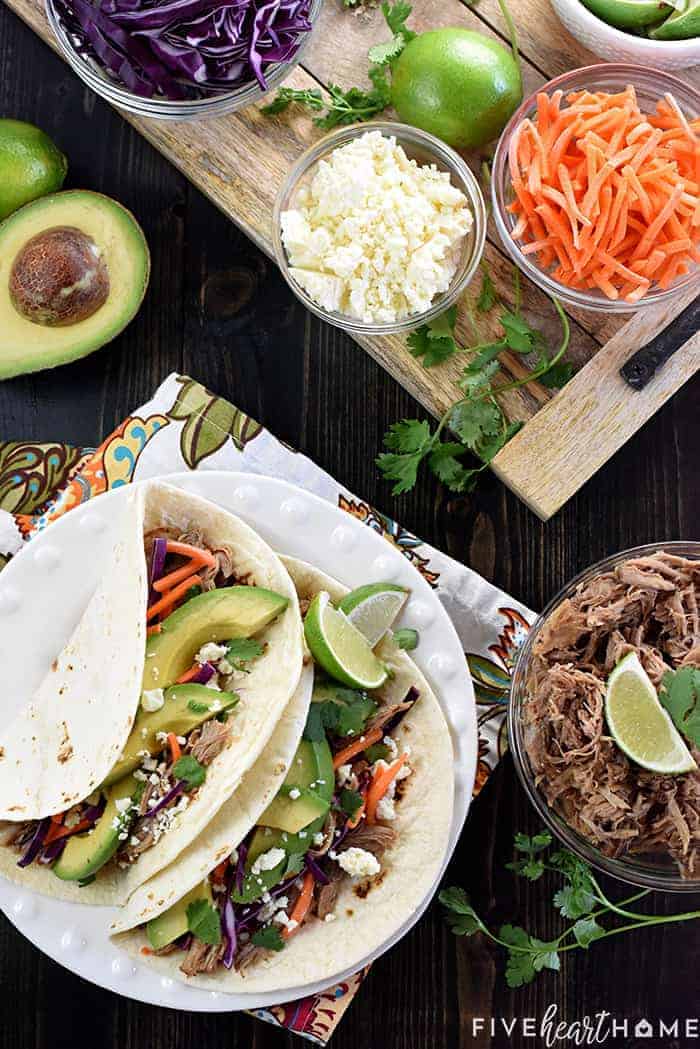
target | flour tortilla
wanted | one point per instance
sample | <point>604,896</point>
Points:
<point>321,950</point>
<point>265,693</point>
<point>67,738</point>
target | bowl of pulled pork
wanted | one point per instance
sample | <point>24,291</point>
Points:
<point>604,716</point>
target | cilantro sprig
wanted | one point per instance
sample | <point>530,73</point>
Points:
<point>337,107</point>
<point>204,922</point>
<point>476,418</point>
<point>269,937</point>
<point>580,900</point>
<point>242,650</point>
<point>190,770</point>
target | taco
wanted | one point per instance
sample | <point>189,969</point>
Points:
<point>340,859</point>
<point>222,659</point>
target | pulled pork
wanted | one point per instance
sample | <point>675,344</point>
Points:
<point>647,605</point>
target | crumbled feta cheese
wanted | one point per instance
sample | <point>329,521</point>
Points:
<point>149,764</point>
<point>359,863</point>
<point>343,774</point>
<point>213,684</point>
<point>302,833</point>
<point>390,743</point>
<point>134,840</point>
<point>122,804</point>
<point>404,772</point>
<point>330,917</point>
<point>161,737</point>
<point>140,776</point>
<point>154,778</point>
<point>318,838</point>
<point>152,699</point>
<point>233,858</point>
<point>266,861</point>
<point>294,793</point>
<point>386,809</point>
<point>181,740</point>
<point>282,918</point>
<point>225,667</point>
<point>375,235</point>
<point>211,653</point>
<point>123,835</point>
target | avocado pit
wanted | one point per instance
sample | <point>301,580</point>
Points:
<point>59,278</point>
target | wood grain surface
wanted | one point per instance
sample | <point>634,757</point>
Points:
<point>219,310</point>
<point>239,162</point>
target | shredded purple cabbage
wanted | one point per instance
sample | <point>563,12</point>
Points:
<point>205,673</point>
<point>228,921</point>
<point>167,798</point>
<point>35,842</point>
<point>53,850</point>
<point>319,875</point>
<point>184,49</point>
<point>240,867</point>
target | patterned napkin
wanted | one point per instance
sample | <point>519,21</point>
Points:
<point>184,426</point>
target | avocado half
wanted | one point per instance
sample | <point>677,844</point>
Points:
<point>26,346</point>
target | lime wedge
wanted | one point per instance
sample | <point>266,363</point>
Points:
<point>639,724</point>
<point>339,647</point>
<point>373,608</point>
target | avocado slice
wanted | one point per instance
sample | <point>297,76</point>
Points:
<point>311,773</point>
<point>184,708</point>
<point>119,243</point>
<point>629,14</point>
<point>681,24</point>
<point>84,854</point>
<point>172,924</point>
<point>264,839</point>
<point>218,615</point>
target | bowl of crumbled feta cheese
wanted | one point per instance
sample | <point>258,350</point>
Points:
<point>379,228</point>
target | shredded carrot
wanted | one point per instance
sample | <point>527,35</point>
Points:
<point>353,822</point>
<point>154,628</point>
<point>188,675</point>
<point>219,872</point>
<point>147,951</point>
<point>357,746</point>
<point>175,750</point>
<point>57,830</point>
<point>381,781</point>
<point>202,557</point>
<point>168,600</point>
<point>301,907</point>
<point>605,195</point>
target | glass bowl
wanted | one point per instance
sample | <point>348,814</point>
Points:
<point>653,872</point>
<point>650,85</point>
<point>425,149</point>
<point>92,74</point>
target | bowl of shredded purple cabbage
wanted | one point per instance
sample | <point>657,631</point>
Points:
<point>179,59</point>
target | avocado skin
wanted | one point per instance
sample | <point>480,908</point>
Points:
<point>218,615</point>
<point>85,854</point>
<point>27,347</point>
<point>172,924</point>
<point>176,715</point>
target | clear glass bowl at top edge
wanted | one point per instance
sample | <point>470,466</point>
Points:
<point>650,872</point>
<point>650,85</point>
<point>424,148</point>
<point>92,74</point>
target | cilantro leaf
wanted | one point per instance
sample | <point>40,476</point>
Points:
<point>573,901</point>
<point>350,802</point>
<point>344,712</point>
<point>491,445</point>
<point>396,15</point>
<point>406,638</point>
<point>680,694</point>
<point>410,441</point>
<point>204,922</point>
<point>312,99</point>
<point>532,869</point>
<point>435,342</point>
<point>295,863</point>
<point>268,937</point>
<point>537,843</point>
<point>474,420</point>
<point>461,916</point>
<point>488,296</point>
<point>409,435</point>
<point>313,729</point>
<point>520,969</point>
<point>190,770</point>
<point>382,54</point>
<point>557,375</point>
<point>197,707</point>
<point>586,931</point>
<point>545,955</point>
<point>520,337</point>
<point>241,650</point>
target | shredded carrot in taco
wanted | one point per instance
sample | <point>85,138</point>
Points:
<point>175,750</point>
<point>168,600</point>
<point>607,196</point>
<point>360,744</point>
<point>381,781</point>
<point>301,907</point>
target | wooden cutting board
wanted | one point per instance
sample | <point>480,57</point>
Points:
<point>240,160</point>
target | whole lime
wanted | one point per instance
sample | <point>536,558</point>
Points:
<point>31,165</point>
<point>457,84</point>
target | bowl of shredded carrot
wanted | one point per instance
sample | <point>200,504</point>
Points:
<point>596,187</point>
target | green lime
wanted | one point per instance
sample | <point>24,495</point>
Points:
<point>629,14</point>
<point>682,24</point>
<point>373,608</point>
<point>457,84</point>
<point>339,647</point>
<point>31,165</point>
<point>639,724</point>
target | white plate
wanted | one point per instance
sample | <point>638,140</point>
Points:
<point>42,594</point>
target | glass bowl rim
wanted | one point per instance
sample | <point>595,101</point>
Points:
<point>587,300</point>
<point>630,870</point>
<point>436,150</point>
<point>175,109</point>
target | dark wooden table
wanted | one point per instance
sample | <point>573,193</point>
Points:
<point>218,310</point>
